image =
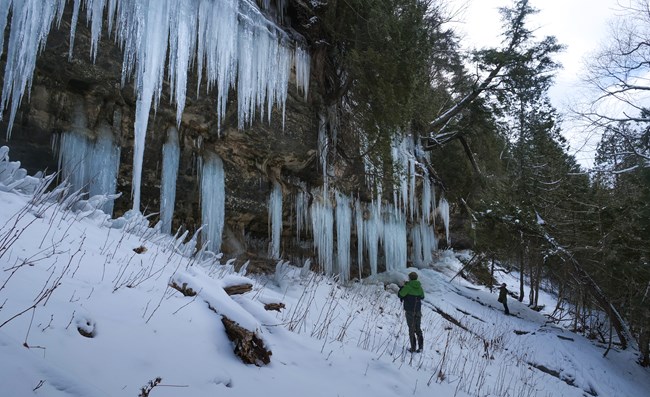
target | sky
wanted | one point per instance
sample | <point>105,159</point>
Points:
<point>581,25</point>
<point>64,270</point>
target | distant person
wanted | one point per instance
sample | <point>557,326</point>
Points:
<point>503,297</point>
<point>411,294</point>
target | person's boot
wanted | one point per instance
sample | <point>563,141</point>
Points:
<point>412,340</point>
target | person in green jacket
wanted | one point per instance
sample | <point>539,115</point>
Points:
<point>411,294</point>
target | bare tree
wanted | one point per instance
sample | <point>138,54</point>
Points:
<point>618,76</point>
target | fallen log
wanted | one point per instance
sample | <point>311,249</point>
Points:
<point>248,346</point>
<point>274,306</point>
<point>238,289</point>
<point>183,289</point>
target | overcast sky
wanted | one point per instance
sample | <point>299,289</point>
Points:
<point>581,25</point>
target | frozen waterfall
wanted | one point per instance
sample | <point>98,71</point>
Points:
<point>343,234</point>
<point>322,218</point>
<point>231,41</point>
<point>212,201</point>
<point>171,154</point>
<point>90,165</point>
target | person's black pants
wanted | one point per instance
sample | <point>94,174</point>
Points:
<point>413,320</point>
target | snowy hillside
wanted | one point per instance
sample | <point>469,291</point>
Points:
<point>86,310</point>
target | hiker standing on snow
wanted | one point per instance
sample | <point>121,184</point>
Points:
<point>411,294</point>
<point>503,297</point>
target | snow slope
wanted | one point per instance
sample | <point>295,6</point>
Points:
<point>62,271</point>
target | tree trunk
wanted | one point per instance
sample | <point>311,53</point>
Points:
<point>594,290</point>
<point>522,266</point>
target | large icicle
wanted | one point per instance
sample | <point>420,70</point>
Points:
<point>322,218</point>
<point>171,154</point>
<point>373,233</point>
<point>302,214</point>
<point>212,201</point>
<point>443,210</point>
<point>323,144</point>
<point>424,243</point>
<point>343,231</point>
<point>104,166</point>
<point>404,167</point>
<point>395,242</point>
<point>358,215</point>
<point>275,220</point>
<point>90,166</point>
<point>153,30</point>
<point>302,61</point>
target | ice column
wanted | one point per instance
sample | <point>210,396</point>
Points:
<point>373,233</point>
<point>358,214</point>
<point>404,167</point>
<point>323,147</point>
<point>171,154</point>
<point>89,166</point>
<point>395,241</point>
<point>424,243</point>
<point>322,219</point>
<point>212,200</point>
<point>343,231</point>
<point>104,166</point>
<point>443,210</point>
<point>73,154</point>
<point>275,220</point>
<point>302,214</point>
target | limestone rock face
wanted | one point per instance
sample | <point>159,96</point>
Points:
<point>79,95</point>
<point>89,98</point>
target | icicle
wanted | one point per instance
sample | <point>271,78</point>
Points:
<point>358,212</point>
<point>443,210</point>
<point>424,243</point>
<point>182,41</point>
<point>343,230</point>
<point>394,240</point>
<point>403,155</point>
<point>302,214</point>
<point>152,47</point>
<point>416,238</point>
<point>212,201</point>
<point>323,229</point>
<point>171,155</point>
<point>73,152</point>
<point>302,62</point>
<point>323,147</point>
<point>426,199</point>
<point>90,167</point>
<point>104,167</point>
<point>373,233</point>
<point>73,26</point>
<point>275,220</point>
<point>411,176</point>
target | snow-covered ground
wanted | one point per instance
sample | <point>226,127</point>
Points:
<point>67,272</point>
